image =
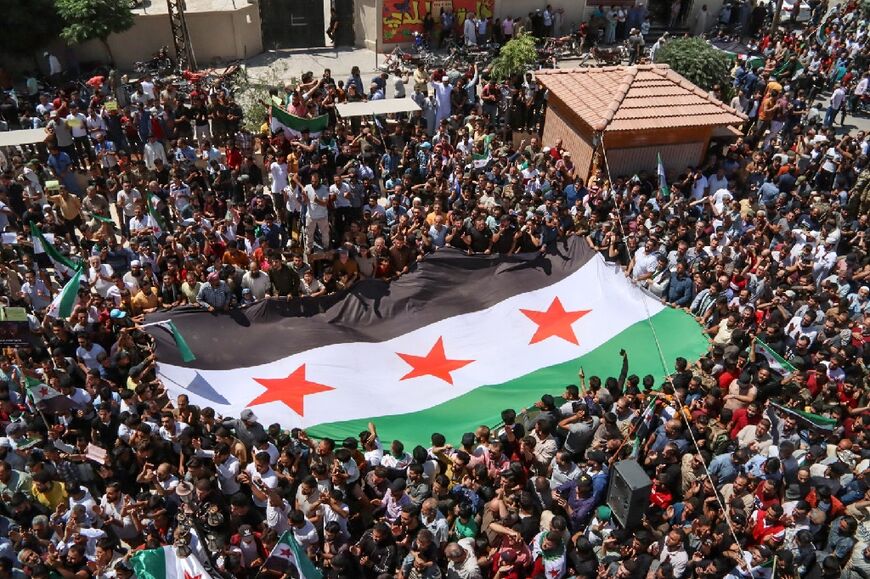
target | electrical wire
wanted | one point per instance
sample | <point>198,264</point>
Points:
<point>681,409</point>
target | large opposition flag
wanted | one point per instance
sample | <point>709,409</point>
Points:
<point>445,348</point>
<point>165,563</point>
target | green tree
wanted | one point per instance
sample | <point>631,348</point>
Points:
<point>94,19</point>
<point>515,57</point>
<point>23,33</point>
<point>696,60</point>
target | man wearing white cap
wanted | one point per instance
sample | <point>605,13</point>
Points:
<point>134,276</point>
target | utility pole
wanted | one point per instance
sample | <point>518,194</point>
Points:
<point>184,57</point>
<point>774,24</point>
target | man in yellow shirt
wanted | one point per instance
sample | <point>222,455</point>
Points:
<point>70,208</point>
<point>145,301</point>
<point>47,492</point>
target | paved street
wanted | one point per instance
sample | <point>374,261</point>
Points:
<point>277,66</point>
<point>289,64</point>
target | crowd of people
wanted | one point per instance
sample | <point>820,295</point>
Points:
<point>758,452</point>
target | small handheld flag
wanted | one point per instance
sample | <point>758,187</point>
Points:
<point>776,362</point>
<point>287,555</point>
<point>663,178</point>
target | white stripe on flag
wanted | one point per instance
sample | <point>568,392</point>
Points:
<point>366,377</point>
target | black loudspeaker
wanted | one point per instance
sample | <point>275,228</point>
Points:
<point>628,493</point>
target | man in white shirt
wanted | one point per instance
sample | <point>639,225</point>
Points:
<point>700,185</point>
<point>432,519</point>
<point>469,29</point>
<point>126,200</point>
<point>340,191</point>
<point>100,276</point>
<point>443,90</point>
<point>278,172</point>
<point>88,352</point>
<point>317,197</point>
<point>837,98</point>
<point>142,223</point>
<point>154,150</point>
<point>278,513</point>
<point>148,87</point>
<point>644,260</point>
<point>259,284</point>
<point>673,552</point>
<point>171,430</point>
<point>261,477</point>
<point>304,530</point>
<point>77,124</point>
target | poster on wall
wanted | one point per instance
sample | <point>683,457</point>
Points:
<point>402,18</point>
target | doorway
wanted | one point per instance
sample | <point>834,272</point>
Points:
<point>292,23</point>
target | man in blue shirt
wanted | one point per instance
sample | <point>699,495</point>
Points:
<point>680,289</point>
<point>726,467</point>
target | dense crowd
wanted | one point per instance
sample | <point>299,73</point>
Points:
<point>173,203</point>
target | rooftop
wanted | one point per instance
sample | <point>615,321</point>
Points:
<point>631,98</point>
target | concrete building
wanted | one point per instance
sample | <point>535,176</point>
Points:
<point>223,30</point>
<point>220,31</point>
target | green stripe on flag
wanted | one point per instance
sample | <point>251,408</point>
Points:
<point>149,564</point>
<point>183,349</point>
<point>69,293</point>
<point>288,552</point>
<point>50,249</point>
<point>678,333</point>
<point>152,211</point>
<point>108,220</point>
<point>808,418</point>
<point>663,177</point>
<point>298,124</point>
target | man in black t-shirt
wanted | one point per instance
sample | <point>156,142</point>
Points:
<point>478,237</point>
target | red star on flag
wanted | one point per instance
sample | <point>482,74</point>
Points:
<point>189,576</point>
<point>43,392</point>
<point>555,322</point>
<point>435,363</point>
<point>291,390</point>
<point>285,552</point>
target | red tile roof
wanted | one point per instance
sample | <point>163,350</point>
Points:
<point>631,98</point>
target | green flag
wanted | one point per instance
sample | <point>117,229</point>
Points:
<point>291,125</point>
<point>663,178</point>
<point>46,398</point>
<point>102,219</point>
<point>63,304</point>
<point>776,362</point>
<point>808,419</point>
<point>287,554</point>
<point>152,211</point>
<point>50,249</point>
<point>185,351</point>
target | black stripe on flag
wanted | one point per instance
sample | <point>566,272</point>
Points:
<point>446,284</point>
